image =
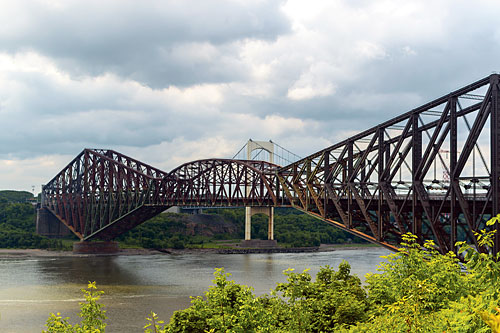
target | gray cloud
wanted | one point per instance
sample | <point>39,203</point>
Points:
<point>143,41</point>
<point>172,81</point>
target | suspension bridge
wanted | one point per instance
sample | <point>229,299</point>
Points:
<point>433,171</point>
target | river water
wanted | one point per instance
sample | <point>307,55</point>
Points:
<point>33,287</point>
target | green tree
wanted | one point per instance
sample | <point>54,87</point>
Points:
<point>416,290</point>
<point>416,270</point>
<point>334,300</point>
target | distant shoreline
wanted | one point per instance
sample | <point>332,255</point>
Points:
<point>29,253</point>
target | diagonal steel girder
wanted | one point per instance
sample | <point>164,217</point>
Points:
<point>102,193</point>
<point>357,177</point>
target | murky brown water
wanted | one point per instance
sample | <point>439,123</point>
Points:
<point>31,288</point>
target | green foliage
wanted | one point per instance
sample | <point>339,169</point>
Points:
<point>420,274</point>
<point>299,229</point>
<point>291,228</point>
<point>92,314</point>
<point>417,289</point>
<point>420,290</point>
<point>169,230</point>
<point>483,267</point>
<point>493,320</point>
<point>154,324</point>
<point>227,307</point>
<point>12,196</point>
<point>334,300</point>
<point>17,223</point>
<point>462,315</point>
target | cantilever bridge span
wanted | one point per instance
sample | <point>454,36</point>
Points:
<point>433,171</point>
<point>102,193</point>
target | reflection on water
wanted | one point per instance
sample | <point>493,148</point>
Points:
<point>135,285</point>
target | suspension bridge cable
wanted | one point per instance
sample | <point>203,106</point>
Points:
<point>239,151</point>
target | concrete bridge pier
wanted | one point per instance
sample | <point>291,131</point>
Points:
<point>249,212</point>
<point>268,211</point>
<point>102,247</point>
<point>48,225</point>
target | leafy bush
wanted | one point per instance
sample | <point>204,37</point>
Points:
<point>226,306</point>
<point>92,314</point>
<point>420,290</point>
<point>422,274</point>
<point>334,300</point>
<point>17,225</point>
<point>417,290</point>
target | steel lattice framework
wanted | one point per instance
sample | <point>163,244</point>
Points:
<point>102,193</point>
<point>100,188</point>
<point>220,182</point>
<point>433,171</point>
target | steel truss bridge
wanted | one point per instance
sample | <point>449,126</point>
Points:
<point>433,171</point>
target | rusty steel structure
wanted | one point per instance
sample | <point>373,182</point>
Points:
<point>433,171</point>
<point>100,188</point>
<point>384,182</point>
<point>102,193</point>
<point>220,183</point>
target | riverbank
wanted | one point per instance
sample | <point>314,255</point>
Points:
<point>17,253</point>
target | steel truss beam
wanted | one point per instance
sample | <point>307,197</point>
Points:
<point>220,182</point>
<point>102,193</point>
<point>423,172</point>
<point>383,182</point>
<point>99,188</point>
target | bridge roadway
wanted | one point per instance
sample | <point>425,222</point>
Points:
<point>352,185</point>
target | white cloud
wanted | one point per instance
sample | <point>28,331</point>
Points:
<point>316,82</point>
<point>305,90</point>
<point>169,81</point>
<point>22,174</point>
<point>409,51</point>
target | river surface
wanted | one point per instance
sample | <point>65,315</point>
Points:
<point>33,287</point>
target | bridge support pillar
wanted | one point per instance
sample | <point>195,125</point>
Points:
<point>85,247</point>
<point>250,211</point>
<point>48,225</point>
<point>268,146</point>
<point>248,223</point>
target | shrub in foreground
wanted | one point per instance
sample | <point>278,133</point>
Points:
<point>417,289</point>
<point>92,313</point>
<point>334,300</point>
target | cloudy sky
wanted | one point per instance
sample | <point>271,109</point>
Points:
<point>172,81</point>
